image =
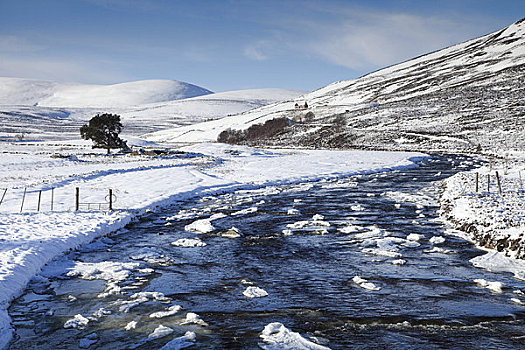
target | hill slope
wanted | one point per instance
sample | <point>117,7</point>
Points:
<point>15,91</point>
<point>46,123</point>
<point>457,98</point>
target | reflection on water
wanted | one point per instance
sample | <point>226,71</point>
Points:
<point>303,245</point>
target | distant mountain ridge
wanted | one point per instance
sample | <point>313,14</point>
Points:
<point>30,92</point>
<point>464,97</point>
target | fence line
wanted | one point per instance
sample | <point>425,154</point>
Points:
<point>25,204</point>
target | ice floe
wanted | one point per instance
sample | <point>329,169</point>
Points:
<point>231,233</point>
<point>293,211</point>
<point>180,342</point>
<point>105,270</point>
<point>350,229</point>
<point>200,226</point>
<point>172,310</point>
<point>131,325</point>
<point>437,240</point>
<point>254,292</point>
<point>188,243</point>
<point>414,237</point>
<point>399,262</point>
<point>277,337</point>
<point>193,318</point>
<point>496,287</point>
<point>160,331</point>
<point>363,283</point>
<point>78,321</point>
<point>245,211</point>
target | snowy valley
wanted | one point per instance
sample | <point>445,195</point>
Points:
<point>361,222</point>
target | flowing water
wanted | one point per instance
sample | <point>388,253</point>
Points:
<point>425,296</point>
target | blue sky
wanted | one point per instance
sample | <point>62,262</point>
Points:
<point>233,44</point>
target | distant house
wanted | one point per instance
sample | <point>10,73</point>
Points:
<point>298,106</point>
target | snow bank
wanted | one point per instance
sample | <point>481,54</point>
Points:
<point>491,219</point>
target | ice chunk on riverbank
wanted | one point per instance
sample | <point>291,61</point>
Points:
<point>255,292</point>
<point>188,243</point>
<point>78,321</point>
<point>496,287</point>
<point>361,282</point>
<point>245,211</point>
<point>200,226</point>
<point>497,262</point>
<point>172,310</point>
<point>181,342</point>
<point>193,318</point>
<point>160,331</point>
<point>277,337</point>
<point>437,240</point>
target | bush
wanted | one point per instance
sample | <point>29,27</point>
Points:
<point>269,129</point>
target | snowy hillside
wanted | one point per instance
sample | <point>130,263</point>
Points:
<point>460,97</point>
<point>15,91</point>
<point>27,117</point>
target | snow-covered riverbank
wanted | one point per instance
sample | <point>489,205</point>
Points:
<point>494,215</point>
<point>31,238</point>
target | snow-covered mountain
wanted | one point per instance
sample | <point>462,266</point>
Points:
<point>16,91</point>
<point>459,97</point>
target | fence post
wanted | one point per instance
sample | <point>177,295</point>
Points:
<point>52,197</point>
<point>39,199</point>
<point>1,200</point>
<point>77,195</point>
<point>488,183</point>
<point>110,199</point>
<point>477,181</point>
<point>23,199</point>
<point>499,184</point>
<point>519,173</point>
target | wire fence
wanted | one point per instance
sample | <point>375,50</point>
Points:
<point>44,200</point>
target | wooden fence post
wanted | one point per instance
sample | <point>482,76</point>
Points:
<point>23,199</point>
<point>77,195</point>
<point>477,181</point>
<point>488,183</point>
<point>52,197</point>
<point>110,199</point>
<point>39,199</point>
<point>499,184</point>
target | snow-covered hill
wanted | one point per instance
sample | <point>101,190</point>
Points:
<point>15,91</point>
<point>460,97</point>
<point>27,117</point>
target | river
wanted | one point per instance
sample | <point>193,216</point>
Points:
<point>361,262</point>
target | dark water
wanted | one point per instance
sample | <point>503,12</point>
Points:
<point>430,302</point>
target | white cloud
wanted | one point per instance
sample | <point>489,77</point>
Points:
<point>255,53</point>
<point>57,70</point>
<point>376,40</point>
<point>11,43</point>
